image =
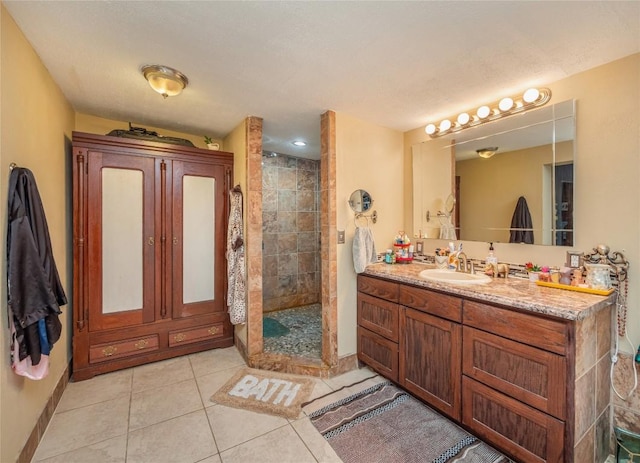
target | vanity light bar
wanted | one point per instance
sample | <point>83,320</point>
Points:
<point>530,99</point>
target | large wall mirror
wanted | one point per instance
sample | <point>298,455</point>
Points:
<point>520,193</point>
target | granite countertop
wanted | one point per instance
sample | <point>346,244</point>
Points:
<point>513,292</point>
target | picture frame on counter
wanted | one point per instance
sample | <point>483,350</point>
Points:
<point>574,259</point>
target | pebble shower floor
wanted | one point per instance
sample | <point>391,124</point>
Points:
<point>305,332</point>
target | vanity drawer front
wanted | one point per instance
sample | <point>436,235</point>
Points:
<point>125,348</point>
<point>202,333</point>
<point>533,376</point>
<point>524,432</point>
<point>378,288</point>
<point>551,335</point>
<point>379,353</point>
<point>433,303</point>
<point>379,316</point>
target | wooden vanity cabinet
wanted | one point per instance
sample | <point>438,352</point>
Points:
<point>378,325</point>
<point>149,234</point>
<point>506,375</point>
<point>514,388</point>
<point>431,348</point>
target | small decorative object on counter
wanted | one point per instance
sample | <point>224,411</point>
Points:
<point>388,256</point>
<point>598,276</point>
<point>577,279</point>
<point>555,275</point>
<point>496,270</point>
<point>545,274</point>
<point>533,270</point>
<point>441,257</point>
<point>565,275</point>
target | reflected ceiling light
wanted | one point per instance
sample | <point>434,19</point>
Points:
<point>164,80</point>
<point>486,153</point>
<point>530,99</point>
<point>299,143</point>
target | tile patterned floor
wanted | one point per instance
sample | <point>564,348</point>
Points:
<point>161,413</point>
<point>305,327</point>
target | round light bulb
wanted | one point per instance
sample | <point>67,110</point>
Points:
<point>463,118</point>
<point>430,129</point>
<point>483,111</point>
<point>505,104</point>
<point>531,95</point>
<point>445,125</point>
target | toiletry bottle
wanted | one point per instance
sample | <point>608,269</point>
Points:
<point>491,258</point>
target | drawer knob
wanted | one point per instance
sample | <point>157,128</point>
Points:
<point>213,330</point>
<point>141,344</point>
<point>109,351</point>
<point>180,337</point>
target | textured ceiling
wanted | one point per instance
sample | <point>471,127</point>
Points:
<point>396,64</point>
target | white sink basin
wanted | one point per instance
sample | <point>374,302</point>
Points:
<point>458,278</point>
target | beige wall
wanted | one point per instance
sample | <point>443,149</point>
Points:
<point>101,126</point>
<point>607,166</point>
<point>368,157</point>
<point>35,127</point>
<point>236,142</point>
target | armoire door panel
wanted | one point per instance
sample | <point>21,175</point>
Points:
<point>121,240</point>
<point>199,209</point>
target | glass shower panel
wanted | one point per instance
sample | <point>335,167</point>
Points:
<point>122,240</point>
<point>198,238</point>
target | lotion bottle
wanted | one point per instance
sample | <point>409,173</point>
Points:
<point>491,258</point>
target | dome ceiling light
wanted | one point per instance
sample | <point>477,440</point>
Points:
<point>530,99</point>
<point>165,80</point>
<point>486,153</point>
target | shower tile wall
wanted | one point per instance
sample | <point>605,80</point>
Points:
<point>290,232</point>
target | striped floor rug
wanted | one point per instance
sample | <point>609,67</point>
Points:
<point>376,422</point>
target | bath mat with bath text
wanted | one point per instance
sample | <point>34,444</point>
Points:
<point>265,391</point>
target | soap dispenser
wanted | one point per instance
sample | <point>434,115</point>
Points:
<point>491,258</point>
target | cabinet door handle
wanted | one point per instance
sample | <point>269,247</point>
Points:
<point>175,240</point>
<point>180,337</point>
<point>213,330</point>
<point>151,241</point>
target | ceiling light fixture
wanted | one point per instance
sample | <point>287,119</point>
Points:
<point>165,80</point>
<point>486,153</point>
<point>299,143</point>
<point>530,99</point>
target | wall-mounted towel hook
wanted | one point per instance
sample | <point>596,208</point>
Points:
<point>12,166</point>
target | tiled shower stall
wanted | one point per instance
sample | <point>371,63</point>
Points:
<point>291,232</point>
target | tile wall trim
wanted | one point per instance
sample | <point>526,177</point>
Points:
<point>40,427</point>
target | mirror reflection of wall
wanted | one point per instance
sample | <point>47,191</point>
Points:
<point>534,160</point>
<point>360,201</point>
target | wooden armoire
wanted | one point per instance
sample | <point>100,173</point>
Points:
<point>149,244</point>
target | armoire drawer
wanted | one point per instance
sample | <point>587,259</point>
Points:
<point>201,333</point>
<point>126,348</point>
<point>522,431</point>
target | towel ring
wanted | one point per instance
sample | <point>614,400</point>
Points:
<point>359,215</point>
